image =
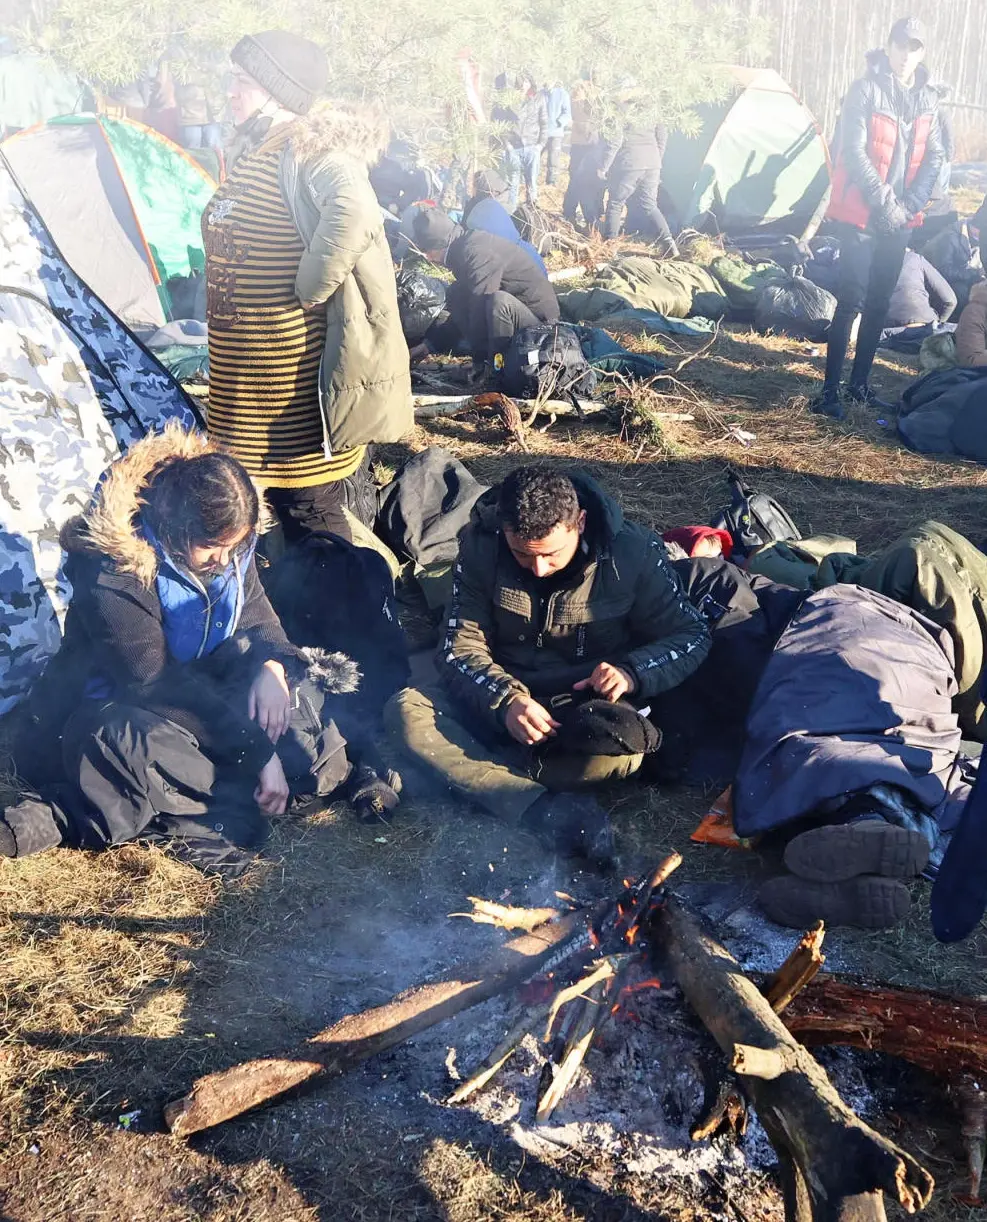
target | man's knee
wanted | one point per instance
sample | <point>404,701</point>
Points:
<point>562,772</point>
<point>407,713</point>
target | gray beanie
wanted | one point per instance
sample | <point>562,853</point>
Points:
<point>293,70</point>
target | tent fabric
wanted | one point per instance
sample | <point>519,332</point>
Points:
<point>77,390</point>
<point>123,203</point>
<point>759,159</point>
<point>33,88</point>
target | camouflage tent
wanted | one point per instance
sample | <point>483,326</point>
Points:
<point>76,388</point>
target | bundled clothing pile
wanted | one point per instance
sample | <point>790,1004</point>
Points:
<point>945,412</point>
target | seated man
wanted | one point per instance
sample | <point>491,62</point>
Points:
<point>564,621</point>
<point>498,290</point>
<point>971,334</point>
<point>921,298</point>
<point>176,708</point>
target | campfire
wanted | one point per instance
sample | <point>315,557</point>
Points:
<point>570,970</point>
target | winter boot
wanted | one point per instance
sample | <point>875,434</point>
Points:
<point>29,826</point>
<point>572,824</point>
<point>868,902</point>
<point>871,846</point>
<point>861,393</point>
<point>372,797</point>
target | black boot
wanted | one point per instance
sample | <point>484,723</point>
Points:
<point>862,394</point>
<point>374,797</point>
<point>837,342</point>
<point>572,824</point>
<point>29,826</point>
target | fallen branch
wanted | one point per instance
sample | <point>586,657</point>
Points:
<point>428,407</point>
<point>230,1092</point>
<point>834,1167</point>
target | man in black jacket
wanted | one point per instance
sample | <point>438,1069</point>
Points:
<point>498,290</point>
<point>632,167</point>
<point>176,708</point>
<point>887,165</point>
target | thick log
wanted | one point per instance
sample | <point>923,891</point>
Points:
<point>944,1035</point>
<point>834,1167</point>
<point>230,1092</point>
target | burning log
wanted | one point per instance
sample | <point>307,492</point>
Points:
<point>946,1036</point>
<point>230,1092</point>
<point>834,1167</point>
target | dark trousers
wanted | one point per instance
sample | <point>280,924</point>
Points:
<point>869,269</point>
<point>303,511</point>
<point>505,316</point>
<point>132,773</point>
<point>553,151</point>
<point>637,190</point>
<point>585,188</point>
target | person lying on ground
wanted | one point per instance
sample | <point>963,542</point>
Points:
<point>888,157</point>
<point>176,709</point>
<point>565,620</point>
<point>852,729</point>
<point>971,332</point>
<point>498,287</point>
<point>308,365</point>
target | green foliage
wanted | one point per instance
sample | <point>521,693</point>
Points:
<point>649,57</point>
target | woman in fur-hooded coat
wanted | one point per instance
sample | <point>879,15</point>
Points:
<point>147,722</point>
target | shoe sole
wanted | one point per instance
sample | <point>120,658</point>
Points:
<point>868,902</point>
<point>833,854</point>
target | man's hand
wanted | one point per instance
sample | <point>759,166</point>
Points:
<point>528,722</point>
<point>269,700</point>
<point>271,794</point>
<point>609,681</point>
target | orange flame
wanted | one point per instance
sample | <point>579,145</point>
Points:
<point>652,983</point>
<point>594,937</point>
<point>631,935</point>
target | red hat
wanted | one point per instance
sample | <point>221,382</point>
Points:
<point>688,538</point>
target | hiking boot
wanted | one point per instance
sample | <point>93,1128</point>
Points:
<point>833,854</point>
<point>572,824</point>
<point>868,902</point>
<point>864,396</point>
<point>828,404</point>
<point>373,797</point>
<point>30,827</point>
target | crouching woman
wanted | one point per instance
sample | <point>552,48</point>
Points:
<point>176,708</point>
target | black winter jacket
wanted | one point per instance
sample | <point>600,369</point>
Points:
<point>527,123</point>
<point>921,295</point>
<point>636,150</point>
<point>483,264</point>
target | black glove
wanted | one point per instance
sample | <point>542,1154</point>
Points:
<point>889,214</point>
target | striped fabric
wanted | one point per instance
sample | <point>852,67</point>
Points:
<point>264,349</point>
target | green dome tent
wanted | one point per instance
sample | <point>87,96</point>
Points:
<point>123,203</point>
<point>758,163</point>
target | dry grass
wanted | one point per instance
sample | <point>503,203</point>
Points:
<point>125,975</point>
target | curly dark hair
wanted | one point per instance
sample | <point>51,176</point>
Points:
<point>199,502</point>
<point>534,500</point>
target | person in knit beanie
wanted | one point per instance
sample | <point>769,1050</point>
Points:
<point>308,362</point>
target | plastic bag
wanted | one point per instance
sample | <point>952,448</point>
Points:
<point>421,299</point>
<point>795,307</point>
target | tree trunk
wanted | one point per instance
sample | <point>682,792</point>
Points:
<point>835,1168</point>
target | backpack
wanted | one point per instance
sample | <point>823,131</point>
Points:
<point>753,518</point>
<point>547,362</point>
<point>329,593</point>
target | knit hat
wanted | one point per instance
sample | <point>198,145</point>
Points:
<point>433,229</point>
<point>689,537</point>
<point>293,70</point>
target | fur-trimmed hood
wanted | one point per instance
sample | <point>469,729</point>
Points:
<point>340,128</point>
<point>108,526</point>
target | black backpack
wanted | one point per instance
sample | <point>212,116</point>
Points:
<point>336,596</point>
<point>753,518</point>
<point>547,362</point>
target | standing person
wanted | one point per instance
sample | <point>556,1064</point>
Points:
<point>308,363</point>
<point>525,139</point>
<point>559,107</point>
<point>584,190</point>
<point>201,100</point>
<point>887,165</point>
<point>632,168</point>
